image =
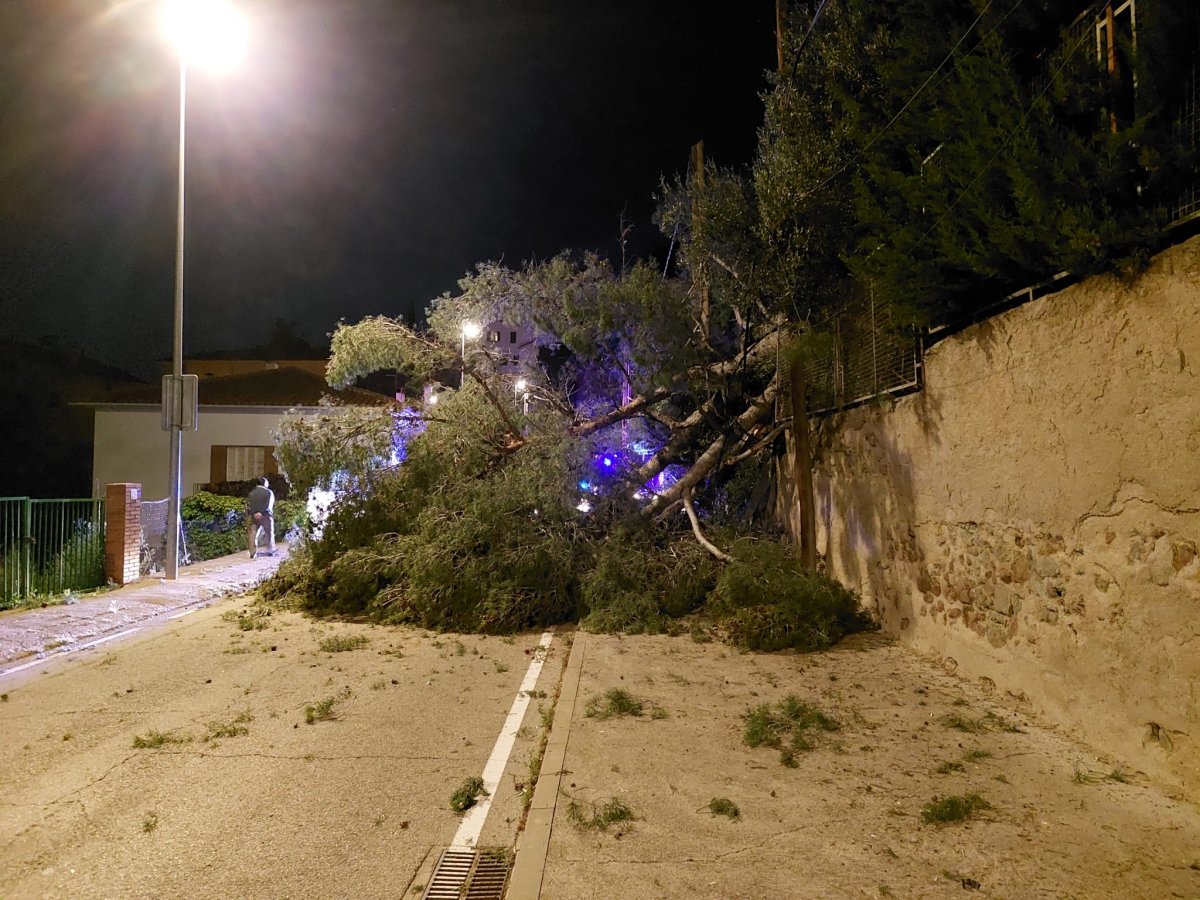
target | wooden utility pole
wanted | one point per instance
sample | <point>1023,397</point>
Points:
<point>697,187</point>
<point>780,18</point>
<point>1110,28</point>
<point>802,461</point>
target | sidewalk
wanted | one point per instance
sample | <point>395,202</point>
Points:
<point>673,803</point>
<point>41,633</point>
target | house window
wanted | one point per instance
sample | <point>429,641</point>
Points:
<point>512,337</point>
<point>241,463</point>
<point>494,337</point>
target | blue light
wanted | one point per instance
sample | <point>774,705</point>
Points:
<point>585,485</point>
<point>607,461</point>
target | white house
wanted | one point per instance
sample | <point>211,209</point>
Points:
<point>511,347</point>
<point>232,442</point>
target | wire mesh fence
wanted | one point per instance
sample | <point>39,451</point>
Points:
<point>1188,125</point>
<point>871,355</point>
<point>153,536</point>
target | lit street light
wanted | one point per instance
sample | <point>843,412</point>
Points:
<point>521,389</point>
<point>211,34</point>
<point>470,330</point>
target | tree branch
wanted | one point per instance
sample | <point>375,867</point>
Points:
<point>710,459</point>
<point>495,401</point>
<point>695,520</point>
<point>757,448</point>
<point>630,409</point>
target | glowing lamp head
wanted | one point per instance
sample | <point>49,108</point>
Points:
<point>433,399</point>
<point>520,385</point>
<point>471,330</point>
<point>208,33</point>
<point>607,461</point>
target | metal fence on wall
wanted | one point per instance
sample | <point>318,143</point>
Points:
<point>871,356</point>
<point>1083,35</point>
<point>1188,124</point>
<point>50,546</point>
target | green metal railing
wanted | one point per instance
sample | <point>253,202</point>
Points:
<point>49,546</point>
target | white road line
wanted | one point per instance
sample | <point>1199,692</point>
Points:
<point>472,824</point>
<point>96,643</point>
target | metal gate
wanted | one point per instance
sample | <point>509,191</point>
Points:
<point>49,546</point>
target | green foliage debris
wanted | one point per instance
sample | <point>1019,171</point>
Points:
<point>766,601</point>
<point>325,710</point>
<point>342,643</point>
<point>789,726</point>
<point>467,795</point>
<point>235,727</point>
<point>154,739</point>
<point>590,816</point>
<point>612,703</point>
<point>723,806</point>
<point>954,808</point>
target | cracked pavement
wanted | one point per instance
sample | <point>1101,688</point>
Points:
<point>357,804</point>
<point>846,821</point>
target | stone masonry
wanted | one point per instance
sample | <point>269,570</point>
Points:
<point>1033,515</point>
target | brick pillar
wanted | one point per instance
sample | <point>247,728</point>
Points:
<point>123,532</point>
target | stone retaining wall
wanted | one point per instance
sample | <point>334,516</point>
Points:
<point>1033,515</point>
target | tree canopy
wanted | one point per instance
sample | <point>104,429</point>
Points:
<point>935,152</point>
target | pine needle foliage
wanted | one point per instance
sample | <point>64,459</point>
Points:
<point>478,525</point>
<point>468,794</point>
<point>598,816</point>
<point>789,726</point>
<point>948,152</point>
<point>955,808</point>
<point>766,601</point>
<point>613,703</point>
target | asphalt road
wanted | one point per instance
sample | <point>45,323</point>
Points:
<point>256,757</point>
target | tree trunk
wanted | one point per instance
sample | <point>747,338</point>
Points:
<point>802,466</point>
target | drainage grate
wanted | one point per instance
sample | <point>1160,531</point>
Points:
<point>470,875</point>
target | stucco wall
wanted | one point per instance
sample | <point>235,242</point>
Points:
<point>130,445</point>
<point>1033,515</point>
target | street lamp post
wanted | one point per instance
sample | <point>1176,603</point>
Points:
<point>470,330</point>
<point>175,476</point>
<point>209,32</point>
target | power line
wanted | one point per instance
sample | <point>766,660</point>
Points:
<point>808,34</point>
<point>1004,145</point>
<point>879,135</point>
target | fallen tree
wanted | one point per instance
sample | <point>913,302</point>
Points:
<point>621,485</point>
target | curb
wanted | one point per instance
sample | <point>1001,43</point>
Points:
<point>525,883</point>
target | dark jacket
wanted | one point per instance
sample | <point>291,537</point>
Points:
<point>260,500</point>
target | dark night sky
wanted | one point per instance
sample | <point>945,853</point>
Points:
<point>364,157</point>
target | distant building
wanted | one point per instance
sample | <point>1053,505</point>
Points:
<point>511,347</point>
<point>237,417</point>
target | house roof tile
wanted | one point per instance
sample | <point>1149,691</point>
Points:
<point>283,388</point>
